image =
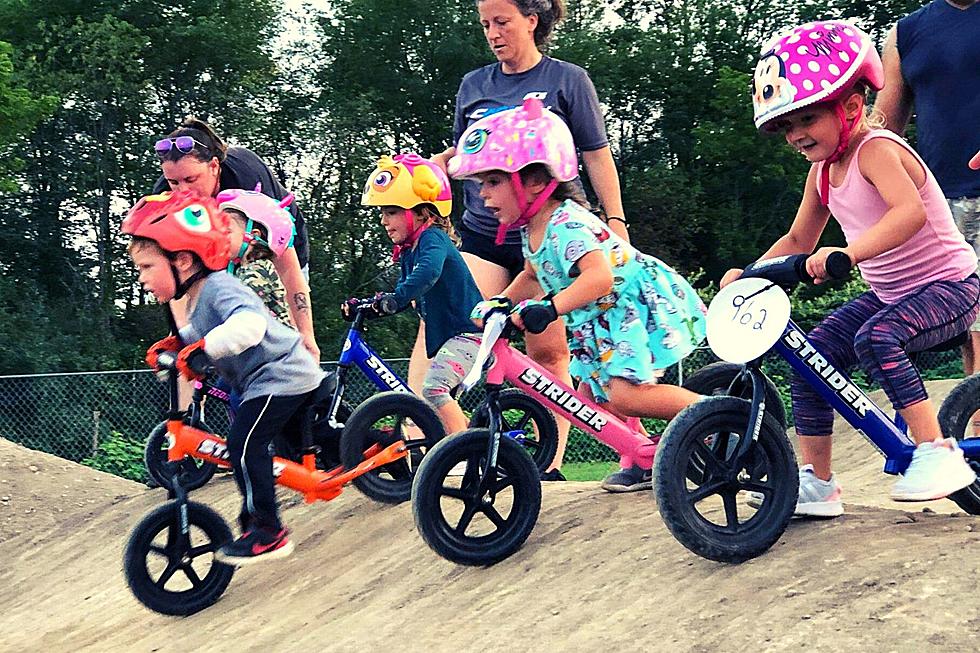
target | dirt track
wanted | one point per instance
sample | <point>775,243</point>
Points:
<point>599,572</point>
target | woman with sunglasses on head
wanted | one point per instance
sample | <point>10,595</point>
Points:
<point>193,157</point>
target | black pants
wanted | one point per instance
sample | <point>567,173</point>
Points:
<point>256,424</point>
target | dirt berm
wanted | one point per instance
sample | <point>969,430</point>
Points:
<point>599,573</point>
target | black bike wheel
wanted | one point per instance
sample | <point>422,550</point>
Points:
<point>196,472</point>
<point>527,419</point>
<point>716,380</point>
<point>459,523</point>
<point>712,517</point>
<point>173,574</point>
<point>385,419</point>
<point>956,421</point>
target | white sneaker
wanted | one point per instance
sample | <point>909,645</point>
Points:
<point>936,471</point>
<point>818,498</point>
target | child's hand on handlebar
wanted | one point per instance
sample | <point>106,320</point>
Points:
<point>170,343</point>
<point>373,307</point>
<point>816,264</point>
<point>730,276</point>
<point>192,362</point>
<point>534,315</point>
<point>486,308</point>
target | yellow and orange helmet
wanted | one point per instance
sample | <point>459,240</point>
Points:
<point>408,180</point>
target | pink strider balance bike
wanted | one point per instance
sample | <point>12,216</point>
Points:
<point>487,513</point>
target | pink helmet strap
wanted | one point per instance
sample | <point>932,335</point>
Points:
<point>413,235</point>
<point>527,211</point>
<point>844,140</point>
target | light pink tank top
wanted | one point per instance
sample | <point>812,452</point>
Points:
<point>937,252</point>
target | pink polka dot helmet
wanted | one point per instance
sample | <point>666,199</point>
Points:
<point>511,140</point>
<point>815,62</point>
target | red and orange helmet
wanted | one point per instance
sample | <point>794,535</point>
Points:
<point>182,221</point>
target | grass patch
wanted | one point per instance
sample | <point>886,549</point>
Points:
<point>588,471</point>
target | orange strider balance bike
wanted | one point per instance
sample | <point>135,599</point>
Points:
<point>169,559</point>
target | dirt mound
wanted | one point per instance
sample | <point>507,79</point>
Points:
<point>39,491</point>
<point>599,572</point>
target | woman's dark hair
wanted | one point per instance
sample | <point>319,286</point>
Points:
<point>549,12</point>
<point>566,190</point>
<point>209,145</point>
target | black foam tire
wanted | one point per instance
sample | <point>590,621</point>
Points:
<point>196,472</point>
<point>716,379</point>
<point>390,483</point>
<point>956,421</point>
<point>544,446</point>
<point>516,474</point>
<point>770,468</point>
<point>204,591</point>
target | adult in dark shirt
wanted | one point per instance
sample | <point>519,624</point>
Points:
<point>207,165</point>
<point>932,68</point>
<point>517,31</point>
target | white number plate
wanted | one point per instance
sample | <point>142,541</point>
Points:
<point>746,319</point>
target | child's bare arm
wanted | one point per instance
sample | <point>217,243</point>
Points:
<point>803,235</point>
<point>595,280</point>
<point>882,163</point>
<point>524,286</point>
<point>810,221</point>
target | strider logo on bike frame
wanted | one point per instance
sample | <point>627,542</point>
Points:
<point>386,375</point>
<point>563,399</point>
<point>834,379</point>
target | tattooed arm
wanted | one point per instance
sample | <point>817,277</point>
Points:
<point>298,298</point>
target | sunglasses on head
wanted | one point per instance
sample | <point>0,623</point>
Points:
<point>184,145</point>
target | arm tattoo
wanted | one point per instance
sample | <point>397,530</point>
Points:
<point>302,304</point>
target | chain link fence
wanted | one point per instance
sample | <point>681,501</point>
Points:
<point>103,418</point>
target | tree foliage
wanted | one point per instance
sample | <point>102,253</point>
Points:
<point>86,87</point>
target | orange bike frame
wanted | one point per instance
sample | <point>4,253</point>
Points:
<point>305,478</point>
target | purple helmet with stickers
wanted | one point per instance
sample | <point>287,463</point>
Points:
<point>268,212</point>
<point>514,139</point>
<point>815,62</point>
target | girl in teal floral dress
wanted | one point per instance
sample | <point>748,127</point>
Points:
<point>631,316</point>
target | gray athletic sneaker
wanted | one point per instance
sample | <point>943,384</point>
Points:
<point>818,498</point>
<point>632,479</point>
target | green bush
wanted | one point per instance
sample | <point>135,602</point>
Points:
<point>121,456</point>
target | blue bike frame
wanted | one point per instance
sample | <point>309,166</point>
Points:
<point>357,352</point>
<point>851,402</point>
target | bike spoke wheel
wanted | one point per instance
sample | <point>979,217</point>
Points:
<point>468,518</point>
<point>525,420</point>
<point>383,420</point>
<point>735,508</point>
<point>174,572</point>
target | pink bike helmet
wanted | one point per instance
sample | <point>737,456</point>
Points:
<point>511,140</point>
<point>267,211</point>
<point>814,63</point>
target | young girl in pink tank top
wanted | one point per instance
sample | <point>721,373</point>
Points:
<point>810,85</point>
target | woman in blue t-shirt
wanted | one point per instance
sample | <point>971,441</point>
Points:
<point>517,31</point>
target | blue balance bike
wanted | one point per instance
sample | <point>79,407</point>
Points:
<point>719,450</point>
<point>524,420</point>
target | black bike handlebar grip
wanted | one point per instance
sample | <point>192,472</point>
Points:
<point>387,305</point>
<point>838,265</point>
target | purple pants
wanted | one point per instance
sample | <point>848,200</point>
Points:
<point>880,337</point>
